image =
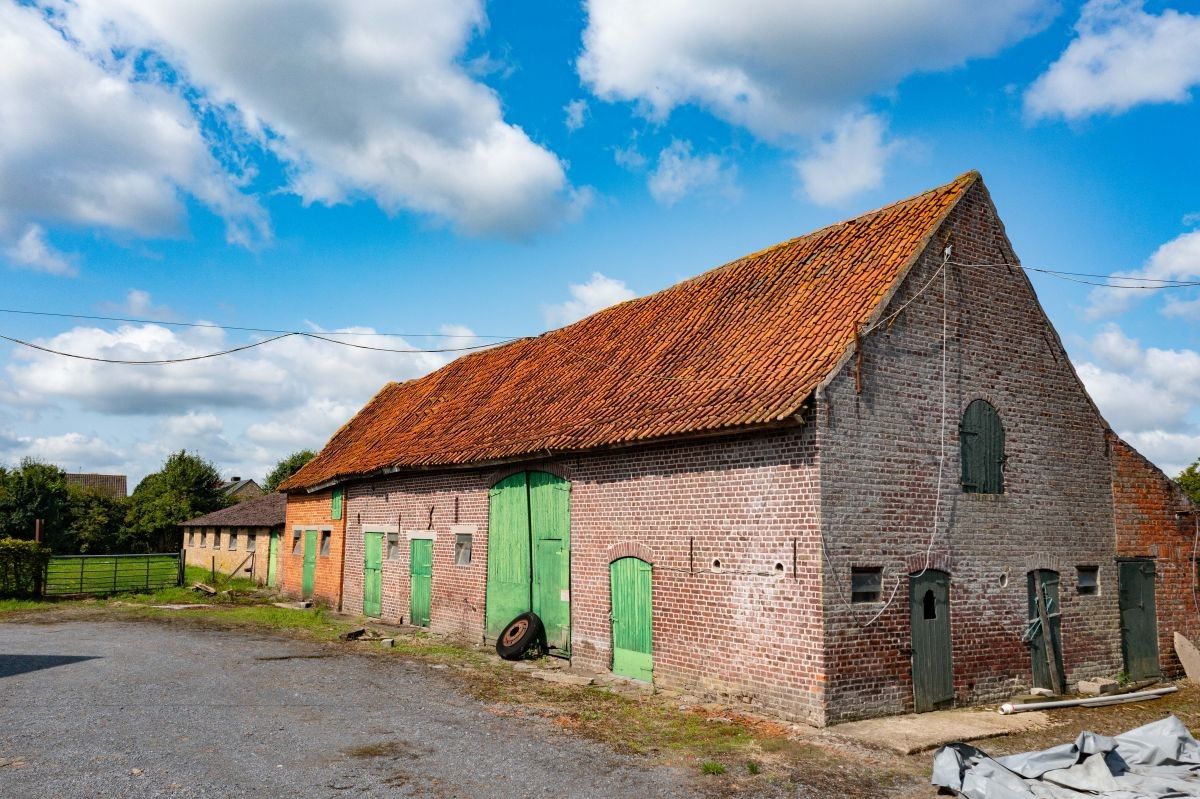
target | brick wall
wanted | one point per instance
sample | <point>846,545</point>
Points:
<point>1152,520</point>
<point>879,467</point>
<point>226,559</point>
<point>312,512</point>
<point>749,632</point>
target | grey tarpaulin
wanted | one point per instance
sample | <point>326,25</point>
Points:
<point>1158,760</point>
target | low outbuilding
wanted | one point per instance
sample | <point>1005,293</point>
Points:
<point>242,540</point>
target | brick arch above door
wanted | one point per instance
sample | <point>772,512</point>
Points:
<point>630,549</point>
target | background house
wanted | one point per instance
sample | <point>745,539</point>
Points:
<point>240,490</point>
<point>110,485</point>
<point>242,540</point>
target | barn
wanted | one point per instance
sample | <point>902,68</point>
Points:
<point>852,474</point>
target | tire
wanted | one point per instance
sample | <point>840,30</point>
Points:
<point>520,635</point>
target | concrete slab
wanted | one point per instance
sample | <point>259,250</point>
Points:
<point>1189,656</point>
<point>920,732</point>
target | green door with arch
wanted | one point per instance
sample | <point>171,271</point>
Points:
<point>529,555</point>
<point>632,618</point>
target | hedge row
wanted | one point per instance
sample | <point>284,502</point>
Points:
<point>22,564</point>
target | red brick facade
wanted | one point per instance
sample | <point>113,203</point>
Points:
<point>1155,519</point>
<point>312,512</point>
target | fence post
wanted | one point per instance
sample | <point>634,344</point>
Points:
<point>147,574</point>
<point>115,562</point>
<point>214,571</point>
<point>81,562</point>
<point>182,557</point>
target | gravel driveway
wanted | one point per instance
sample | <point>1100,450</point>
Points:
<point>110,709</point>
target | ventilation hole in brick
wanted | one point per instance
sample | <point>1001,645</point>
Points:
<point>716,564</point>
<point>1003,580</point>
<point>778,567</point>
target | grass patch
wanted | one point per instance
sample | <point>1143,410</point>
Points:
<point>753,768</point>
<point>712,767</point>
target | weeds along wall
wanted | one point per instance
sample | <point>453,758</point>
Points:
<point>880,450</point>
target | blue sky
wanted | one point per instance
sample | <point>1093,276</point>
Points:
<point>470,169</point>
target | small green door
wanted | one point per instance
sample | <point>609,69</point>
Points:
<point>932,663</point>
<point>372,574</point>
<point>1037,637</point>
<point>632,624</point>
<point>1139,625</point>
<point>273,560</point>
<point>420,569</point>
<point>310,563</point>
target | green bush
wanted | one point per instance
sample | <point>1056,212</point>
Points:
<point>21,566</point>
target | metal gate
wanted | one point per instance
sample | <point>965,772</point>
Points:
<point>1139,624</point>
<point>932,661</point>
<point>68,575</point>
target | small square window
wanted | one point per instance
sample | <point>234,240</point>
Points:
<point>191,538</point>
<point>295,542</point>
<point>216,539</point>
<point>251,541</point>
<point>325,536</point>
<point>866,584</point>
<point>232,540</point>
<point>203,538</point>
<point>1087,579</point>
<point>393,549</point>
<point>462,549</point>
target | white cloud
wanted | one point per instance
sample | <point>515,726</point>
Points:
<point>32,251</point>
<point>358,100</point>
<point>785,68</point>
<point>586,298</point>
<point>577,114</point>
<point>679,173</point>
<point>629,157</point>
<point>1121,57</point>
<point>138,303</point>
<point>73,452</point>
<point>1148,395</point>
<point>847,162</point>
<point>86,145</point>
<point>1178,259</point>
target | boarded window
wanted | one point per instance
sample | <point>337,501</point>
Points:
<point>1087,579</point>
<point>981,440</point>
<point>335,510</point>
<point>216,539</point>
<point>203,538</point>
<point>866,584</point>
<point>462,549</point>
<point>233,536</point>
<point>393,542</point>
<point>251,541</point>
<point>325,536</point>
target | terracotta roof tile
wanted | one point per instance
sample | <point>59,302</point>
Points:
<point>743,344</point>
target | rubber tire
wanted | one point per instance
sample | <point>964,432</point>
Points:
<point>519,635</point>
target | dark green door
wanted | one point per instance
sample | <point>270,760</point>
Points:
<point>373,574</point>
<point>420,570</point>
<point>529,554</point>
<point>632,624</point>
<point>1037,637</point>
<point>1139,624</point>
<point>273,560</point>
<point>932,664</point>
<point>310,563</point>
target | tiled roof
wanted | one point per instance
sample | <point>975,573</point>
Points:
<point>741,345</point>
<point>265,511</point>
<point>110,485</point>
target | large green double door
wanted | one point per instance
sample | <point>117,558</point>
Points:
<point>529,554</point>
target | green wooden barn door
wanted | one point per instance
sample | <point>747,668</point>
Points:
<point>420,569</point>
<point>273,560</point>
<point>1139,623</point>
<point>373,574</point>
<point>550,528</point>
<point>932,664</point>
<point>508,567</point>
<point>1038,637</point>
<point>310,563</point>
<point>632,623</point>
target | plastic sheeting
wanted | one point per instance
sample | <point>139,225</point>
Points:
<point>1157,761</point>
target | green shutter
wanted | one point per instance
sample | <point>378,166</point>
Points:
<point>981,445</point>
<point>335,510</point>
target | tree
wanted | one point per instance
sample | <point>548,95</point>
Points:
<point>36,490</point>
<point>1189,481</point>
<point>97,521</point>
<point>286,468</point>
<point>186,487</point>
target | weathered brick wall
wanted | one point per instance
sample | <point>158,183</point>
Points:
<point>1155,519</point>
<point>879,467</point>
<point>312,512</point>
<point>227,560</point>
<point>750,632</point>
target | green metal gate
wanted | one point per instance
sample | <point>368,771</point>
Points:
<point>529,555</point>
<point>373,574</point>
<point>1139,623</point>
<point>932,661</point>
<point>420,569</point>
<point>310,563</point>
<point>273,560</point>
<point>632,620</point>
<point>1043,585</point>
<point>68,575</point>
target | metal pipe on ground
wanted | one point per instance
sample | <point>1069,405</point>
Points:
<point>1095,701</point>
